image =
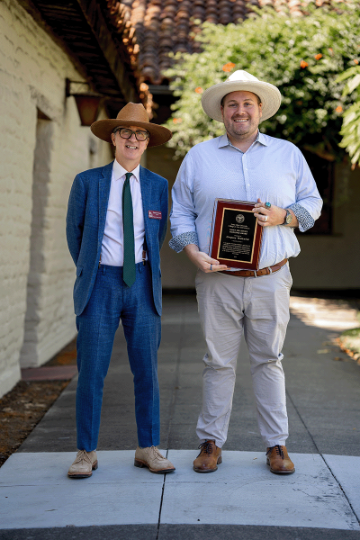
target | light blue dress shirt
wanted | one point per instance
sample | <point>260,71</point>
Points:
<point>272,169</point>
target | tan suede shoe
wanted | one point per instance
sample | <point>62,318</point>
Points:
<point>151,458</point>
<point>279,461</point>
<point>85,463</point>
<point>209,457</point>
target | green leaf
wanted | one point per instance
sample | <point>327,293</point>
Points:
<point>354,83</point>
<point>271,47</point>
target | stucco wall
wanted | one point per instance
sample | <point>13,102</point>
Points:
<point>325,262</point>
<point>42,147</point>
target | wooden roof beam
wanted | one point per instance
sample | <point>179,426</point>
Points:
<point>103,35</point>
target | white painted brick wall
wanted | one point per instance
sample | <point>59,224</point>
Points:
<point>33,70</point>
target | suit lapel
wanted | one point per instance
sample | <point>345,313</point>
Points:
<point>145,186</point>
<point>104,192</point>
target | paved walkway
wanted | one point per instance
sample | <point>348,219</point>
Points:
<point>242,500</point>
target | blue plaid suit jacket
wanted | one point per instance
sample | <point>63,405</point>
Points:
<point>85,224</point>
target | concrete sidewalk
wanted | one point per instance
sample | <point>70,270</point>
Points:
<point>242,499</point>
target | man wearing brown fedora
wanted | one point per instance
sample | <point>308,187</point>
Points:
<point>243,165</point>
<point>116,225</point>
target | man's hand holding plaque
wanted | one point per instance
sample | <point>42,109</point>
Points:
<point>202,260</point>
<point>270,215</point>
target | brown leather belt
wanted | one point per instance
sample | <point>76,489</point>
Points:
<point>256,273</point>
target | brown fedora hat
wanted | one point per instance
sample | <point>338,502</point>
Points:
<point>133,114</point>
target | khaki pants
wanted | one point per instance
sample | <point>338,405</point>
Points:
<point>260,306</point>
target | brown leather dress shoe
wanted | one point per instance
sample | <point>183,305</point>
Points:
<point>209,457</point>
<point>279,461</point>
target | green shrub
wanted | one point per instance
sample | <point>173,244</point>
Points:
<point>302,56</point>
<point>351,126</point>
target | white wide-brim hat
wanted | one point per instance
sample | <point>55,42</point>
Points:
<point>241,80</point>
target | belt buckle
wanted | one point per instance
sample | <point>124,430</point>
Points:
<point>255,273</point>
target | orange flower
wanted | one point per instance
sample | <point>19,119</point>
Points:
<point>339,109</point>
<point>318,56</point>
<point>177,120</point>
<point>303,64</point>
<point>356,61</point>
<point>199,90</point>
<point>228,67</point>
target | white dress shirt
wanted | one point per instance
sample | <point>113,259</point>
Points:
<point>272,169</point>
<point>112,251</point>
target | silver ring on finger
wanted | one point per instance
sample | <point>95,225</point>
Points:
<point>210,267</point>
<point>265,218</point>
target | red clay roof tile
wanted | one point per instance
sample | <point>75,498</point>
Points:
<point>150,29</point>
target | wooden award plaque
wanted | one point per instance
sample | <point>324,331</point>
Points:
<point>236,234</point>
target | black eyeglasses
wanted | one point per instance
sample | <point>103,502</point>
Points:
<point>126,133</point>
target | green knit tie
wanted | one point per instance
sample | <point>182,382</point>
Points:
<point>129,272</point>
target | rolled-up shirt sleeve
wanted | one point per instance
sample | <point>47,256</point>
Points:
<point>307,207</point>
<point>183,214</point>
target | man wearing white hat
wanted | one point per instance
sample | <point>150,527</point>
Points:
<point>116,225</point>
<point>245,165</point>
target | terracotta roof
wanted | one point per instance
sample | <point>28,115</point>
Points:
<point>119,15</point>
<point>153,28</point>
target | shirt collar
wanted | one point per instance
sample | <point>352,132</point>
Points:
<point>119,171</point>
<point>262,139</point>
<point>224,140</point>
